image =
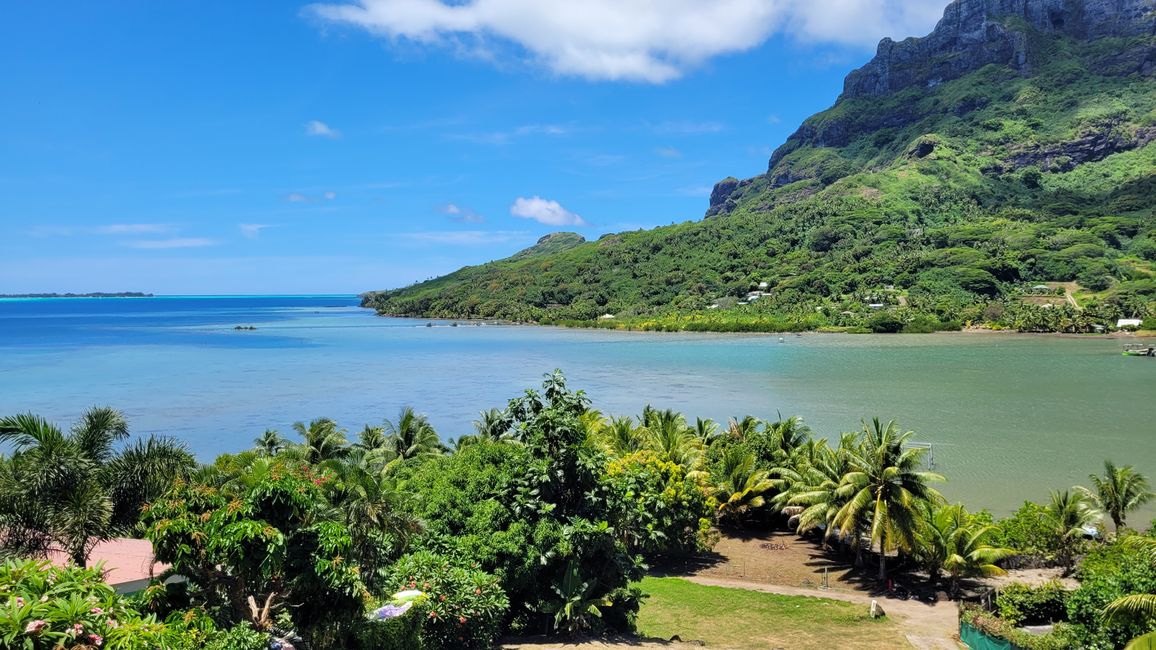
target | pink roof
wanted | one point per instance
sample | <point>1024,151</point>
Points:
<point>125,560</point>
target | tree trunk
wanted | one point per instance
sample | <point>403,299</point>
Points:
<point>882,565</point>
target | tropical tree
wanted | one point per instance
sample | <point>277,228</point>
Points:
<point>72,491</point>
<point>1069,514</point>
<point>1119,491</point>
<point>366,499</point>
<point>668,436</point>
<point>322,441</point>
<point>706,431</point>
<point>493,424</point>
<point>739,484</point>
<point>412,435</point>
<point>269,443</point>
<point>371,438</point>
<point>810,487</point>
<point>950,539</point>
<point>787,435</point>
<point>884,490</point>
<point>621,438</point>
<point>744,428</point>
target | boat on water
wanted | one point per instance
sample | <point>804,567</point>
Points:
<point>1140,350</point>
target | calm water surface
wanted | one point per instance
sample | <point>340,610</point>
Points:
<point>1009,416</point>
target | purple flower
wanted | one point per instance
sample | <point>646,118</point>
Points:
<point>391,611</point>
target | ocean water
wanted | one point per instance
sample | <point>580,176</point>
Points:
<point>1009,417</point>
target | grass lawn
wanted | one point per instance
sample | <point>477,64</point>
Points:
<point>737,618</point>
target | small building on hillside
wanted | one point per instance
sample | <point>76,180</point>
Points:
<point>1129,322</point>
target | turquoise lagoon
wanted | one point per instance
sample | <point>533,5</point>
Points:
<point>1009,416</point>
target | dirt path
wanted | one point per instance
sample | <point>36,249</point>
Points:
<point>927,626</point>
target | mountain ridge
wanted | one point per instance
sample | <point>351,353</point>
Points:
<point>1011,146</point>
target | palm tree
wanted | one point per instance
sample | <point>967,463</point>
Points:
<point>366,499</point>
<point>740,485</point>
<point>1116,493</point>
<point>1069,514</point>
<point>621,438</point>
<point>370,438</point>
<point>810,485</point>
<point>884,490</point>
<point>744,428</point>
<point>668,436</point>
<point>269,443</point>
<point>706,431</point>
<point>73,491</point>
<point>412,436</point>
<point>322,441</point>
<point>950,539</point>
<point>786,435</point>
<point>493,424</point>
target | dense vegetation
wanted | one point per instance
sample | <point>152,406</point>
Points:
<point>944,206</point>
<point>543,521</point>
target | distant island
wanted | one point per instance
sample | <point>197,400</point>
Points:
<point>95,294</point>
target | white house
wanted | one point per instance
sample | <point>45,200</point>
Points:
<point>1129,322</point>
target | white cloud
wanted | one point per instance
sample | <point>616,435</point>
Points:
<point>462,215</point>
<point>684,127</point>
<point>321,129</point>
<point>252,230</point>
<point>297,197</point>
<point>466,237</point>
<point>550,213</point>
<point>133,229</point>
<point>631,40</point>
<point>668,152</point>
<point>502,137</point>
<point>174,242</point>
<point>329,196</point>
<point>110,229</point>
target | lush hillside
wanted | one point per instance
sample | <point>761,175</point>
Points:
<point>1013,146</point>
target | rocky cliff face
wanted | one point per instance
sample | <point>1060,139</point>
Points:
<point>975,33</point>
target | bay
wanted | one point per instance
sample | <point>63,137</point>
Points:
<point>1008,416</point>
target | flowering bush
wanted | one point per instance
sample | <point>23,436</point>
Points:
<point>658,508</point>
<point>44,607</point>
<point>462,607</point>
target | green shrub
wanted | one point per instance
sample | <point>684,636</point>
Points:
<point>1107,573</point>
<point>45,607</point>
<point>401,633</point>
<point>1027,531</point>
<point>663,511</point>
<point>464,607</point>
<point>1022,604</point>
<point>885,323</point>
<point>1062,637</point>
<point>240,637</point>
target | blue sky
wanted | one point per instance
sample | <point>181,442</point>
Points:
<point>217,146</point>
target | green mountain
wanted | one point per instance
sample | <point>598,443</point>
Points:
<point>957,174</point>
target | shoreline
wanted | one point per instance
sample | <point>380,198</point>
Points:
<point>972,331</point>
